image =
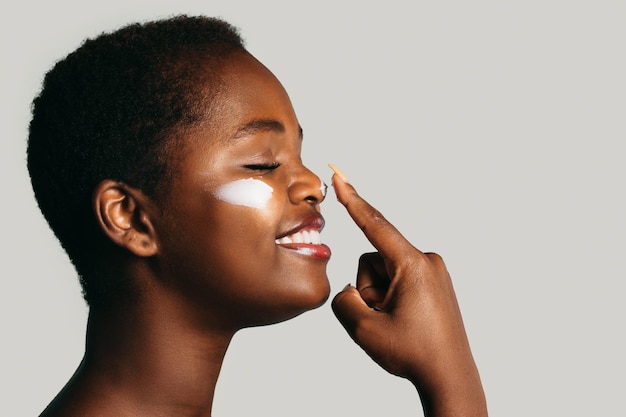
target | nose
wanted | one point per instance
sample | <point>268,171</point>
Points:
<point>307,186</point>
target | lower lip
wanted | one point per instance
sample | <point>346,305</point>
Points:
<point>306,249</point>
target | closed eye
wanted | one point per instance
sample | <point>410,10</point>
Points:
<point>262,167</point>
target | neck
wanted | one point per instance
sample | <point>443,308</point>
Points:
<point>149,359</point>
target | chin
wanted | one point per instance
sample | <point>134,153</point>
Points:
<point>307,298</point>
<point>313,296</point>
<point>316,298</point>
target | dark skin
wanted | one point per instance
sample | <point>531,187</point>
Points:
<point>403,312</point>
<point>195,260</point>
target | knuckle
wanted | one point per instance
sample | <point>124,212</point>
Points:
<point>435,260</point>
<point>420,265</point>
<point>366,258</point>
<point>412,258</point>
<point>409,267</point>
<point>373,221</point>
<point>337,301</point>
<point>362,329</point>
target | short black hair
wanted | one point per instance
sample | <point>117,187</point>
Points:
<point>113,109</point>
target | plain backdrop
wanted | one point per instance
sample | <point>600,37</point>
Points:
<point>491,132</point>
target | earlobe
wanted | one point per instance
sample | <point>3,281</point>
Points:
<point>122,214</point>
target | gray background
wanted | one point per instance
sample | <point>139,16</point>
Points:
<point>488,131</point>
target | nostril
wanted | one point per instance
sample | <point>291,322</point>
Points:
<point>312,199</point>
<point>309,188</point>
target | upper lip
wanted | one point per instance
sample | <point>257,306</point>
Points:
<point>315,222</point>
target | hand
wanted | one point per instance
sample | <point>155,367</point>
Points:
<point>404,314</point>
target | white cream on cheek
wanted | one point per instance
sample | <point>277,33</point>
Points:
<point>245,192</point>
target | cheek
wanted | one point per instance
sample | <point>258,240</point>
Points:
<point>253,210</point>
<point>247,216</point>
<point>251,193</point>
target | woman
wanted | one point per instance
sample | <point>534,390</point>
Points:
<point>166,159</point>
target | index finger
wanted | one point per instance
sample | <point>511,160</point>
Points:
<point>382,234</point>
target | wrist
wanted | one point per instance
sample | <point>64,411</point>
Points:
<point>450,392</point>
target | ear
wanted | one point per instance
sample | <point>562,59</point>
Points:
<point>123,215</point>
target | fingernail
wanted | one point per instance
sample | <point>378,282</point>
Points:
<point>339,172</point>
<point>347,286</point>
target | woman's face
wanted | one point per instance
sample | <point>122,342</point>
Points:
<point>239,228</point>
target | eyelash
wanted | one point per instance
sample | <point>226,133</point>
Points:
<point>262,167</point>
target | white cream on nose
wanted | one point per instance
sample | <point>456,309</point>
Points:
<point>323,188</point>
<point>248,192</point>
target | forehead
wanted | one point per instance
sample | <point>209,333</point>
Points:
<point>248,102</point>
<point>251,93</point>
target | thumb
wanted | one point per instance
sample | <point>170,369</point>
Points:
<point>350,308</point>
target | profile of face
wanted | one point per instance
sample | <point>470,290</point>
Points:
<point>238,227</point>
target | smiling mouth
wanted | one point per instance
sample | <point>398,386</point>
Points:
<point>303,236</point>
<point>306,240</point>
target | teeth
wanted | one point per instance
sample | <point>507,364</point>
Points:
<point>303,236</point>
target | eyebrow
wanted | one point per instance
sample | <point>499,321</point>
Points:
<point>262,125</point>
